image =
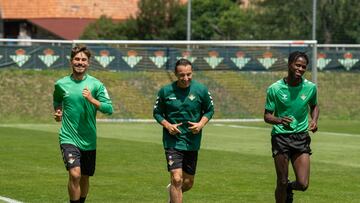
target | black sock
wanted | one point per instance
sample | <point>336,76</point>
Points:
<point>82,199</point>
<point>291,185</point>
<point>75,201</point>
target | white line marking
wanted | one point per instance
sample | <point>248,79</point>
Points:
<point>262,128</point>
<point>8,200</point>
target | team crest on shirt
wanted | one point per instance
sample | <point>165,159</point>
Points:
<point>192,97</point>
<point>284,96</point>
<point>303,97</point>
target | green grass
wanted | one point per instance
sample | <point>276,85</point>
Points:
<point>26,95</point>
<point>235,164</point>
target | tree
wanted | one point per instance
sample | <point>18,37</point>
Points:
<point>220,20</point>
<point>337,20</point>
<point>156,19</point>
<point>100,29</point>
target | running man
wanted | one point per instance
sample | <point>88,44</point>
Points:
<point>287,107</point>
<point>76,100</point>
<point>183,108</point>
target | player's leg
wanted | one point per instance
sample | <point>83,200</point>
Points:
<point>280,153</point>
<point>84,185</point>
<point>71,157</point>
<point>301,166</point>
<point>88,161</point>
<point>301,161</point>
<point>174,160</point>
<point>74,184</point>
<point>189,169</point>
<point>176,176</point>
<point>281,166</point>
<point>188,181</point>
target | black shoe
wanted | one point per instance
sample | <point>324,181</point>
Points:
<point>289,194</point>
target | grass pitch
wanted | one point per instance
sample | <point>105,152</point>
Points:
<point>235,164</point>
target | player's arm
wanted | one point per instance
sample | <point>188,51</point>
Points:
<point>102,101</point>
<point>207,107</point>
<point>271,119</point>
<point>269,116</point>
<point>314,113</point>
<point>159,115</point>
<point>57,102</point>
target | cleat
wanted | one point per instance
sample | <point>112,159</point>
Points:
<point>289,194</point>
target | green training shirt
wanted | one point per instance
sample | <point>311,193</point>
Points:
<point>293,102</point>
<point>79,115</point>
<point>180,105</point>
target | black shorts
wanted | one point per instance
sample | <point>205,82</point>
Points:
<point>186,160</point>
<point>291,144</point>
<point>74,157</point>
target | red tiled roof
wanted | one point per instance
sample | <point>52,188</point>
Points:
<point>74,27</point>
<point>89,9</point>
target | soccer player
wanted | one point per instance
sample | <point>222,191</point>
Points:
<point>183,108</point>
<point>76,100</point>
<point>287,107</point>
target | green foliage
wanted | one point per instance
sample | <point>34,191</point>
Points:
<point>220,20</point>
<point>337,21</point>
<point>156,19</point>
<point>161,19</point>
<point>100,29</point>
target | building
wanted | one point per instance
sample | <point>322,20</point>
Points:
<point>58,19</point>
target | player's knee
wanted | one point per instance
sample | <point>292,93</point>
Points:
<point>282,183</point>
<point>177,181</point>
<point>187,184</point>
<point>75,175</point>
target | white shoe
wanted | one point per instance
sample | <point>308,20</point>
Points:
<point>168,189</point>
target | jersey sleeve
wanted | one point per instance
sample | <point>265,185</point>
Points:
<point>313,100</point>
<point>270,100</point>
<point>159,107</point>
<point>104,99</point>
<point>207,104</point>
<point>57,96</point>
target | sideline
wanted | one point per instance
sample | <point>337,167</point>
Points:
<point>8,200</point>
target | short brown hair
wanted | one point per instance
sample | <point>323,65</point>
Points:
<point>182,62</point>
<point>80,48</point>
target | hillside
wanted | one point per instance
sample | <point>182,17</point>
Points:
<point>26,95</point>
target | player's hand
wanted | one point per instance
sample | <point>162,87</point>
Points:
<point>173,128</point>
<point>285,121</point>
<point>195,128</point>
<point>313,126</point>
<point>87,94</point>
<point>58,115</point>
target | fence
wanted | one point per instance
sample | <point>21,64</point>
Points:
<point>237,73</point>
